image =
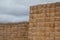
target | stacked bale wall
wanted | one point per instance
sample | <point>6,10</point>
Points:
<point>14,31</point>
<point>44,22</point>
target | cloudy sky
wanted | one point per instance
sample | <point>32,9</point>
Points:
<point>18,10</point>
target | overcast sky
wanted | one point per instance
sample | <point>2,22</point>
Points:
<point>18,10</point>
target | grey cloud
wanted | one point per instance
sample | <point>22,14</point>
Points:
<point>11,18</point>
<point>35,2</point>
<point>13,9</point>
<point>10,11</point>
